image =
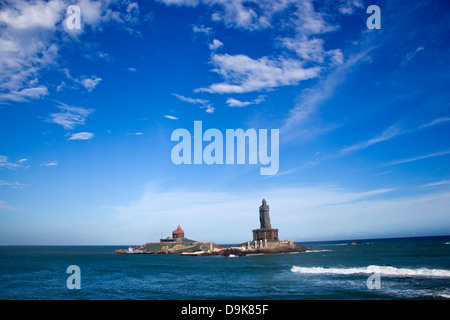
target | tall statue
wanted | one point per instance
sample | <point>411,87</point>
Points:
<point>264,218</point>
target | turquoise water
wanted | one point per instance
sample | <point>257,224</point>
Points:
<point>409,268</point>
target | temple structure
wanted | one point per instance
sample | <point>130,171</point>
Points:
<point>177,236</point>
<point>265,232</point>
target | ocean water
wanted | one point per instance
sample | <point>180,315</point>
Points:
<point>408,268</point>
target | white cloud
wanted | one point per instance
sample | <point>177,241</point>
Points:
<point>438,183</point>
<point>81,136</point>
<point>49,164</point>
<point>191,100</point>
<point>11,185</point>
<point>99,55</point>
<point>244,74</point>
<point>30,15</point>
<point>216,44</point>
<point>426,156</point>
<point>209,109</point>
<point>300,122</point>
<point>25,94</point>
<point>411,55</point>
<point>192,3</point>
<point>249,15</point>
<point>30,40</point>
<point>202,29</point>
<point>259,14</point>
<point>96,13</point>
<point>90,83</point>
<point>435,122</point>
<point>236,103</point>
<point>387,134</point>
<point>6,164</point>
<point>391,132</point>
<point>27,34</point>
<point>350,6</point>
<point>204,104</point>
<point>307,49</point>
<point>239,104</point>
<point>170,117</point>
<point>70,116</point>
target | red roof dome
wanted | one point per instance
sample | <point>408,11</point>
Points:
<point>178,230</point>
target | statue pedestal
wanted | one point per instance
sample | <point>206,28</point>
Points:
<point>268,234</point>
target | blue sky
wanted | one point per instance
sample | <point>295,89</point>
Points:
<point>86,118</point>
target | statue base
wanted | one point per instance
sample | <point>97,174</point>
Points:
<point>266,233</point>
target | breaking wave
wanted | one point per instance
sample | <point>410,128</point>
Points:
<point>383,270</point>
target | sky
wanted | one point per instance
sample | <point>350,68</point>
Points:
<point>87,115</point>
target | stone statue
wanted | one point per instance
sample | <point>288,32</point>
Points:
<point>264,218</point>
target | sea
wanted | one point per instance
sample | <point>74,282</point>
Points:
<point>378,269</point>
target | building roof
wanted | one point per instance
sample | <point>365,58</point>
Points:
<point>178,230</point>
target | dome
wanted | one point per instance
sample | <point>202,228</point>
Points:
<point>178,230</point>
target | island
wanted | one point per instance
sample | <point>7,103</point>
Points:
<point>265,240</point>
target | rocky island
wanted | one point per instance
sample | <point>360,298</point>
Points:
<point>265,240</point>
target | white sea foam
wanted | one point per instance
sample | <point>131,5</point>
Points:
<point>324,250</point>
<point>383,270</point>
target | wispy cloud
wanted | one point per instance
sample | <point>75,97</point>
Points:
<point>204,104</point>
<point>260,14</point>
<point>350,6</point>
<point>438,183</point>
<point>81,136</point>
<point>49,164</point>
<point>191,100</point>
<point>390,133</point>
<point>435,122</point>
<point>411,55</point>
<point>89,83</point>
<point>170,117</point>
<point>236,103</point>
<point>427,156</point>
<point>299,122</point>
<point>70,116</point>
<point>239,104</point>
<point>11,185</point>
<point>6,164</point>
<point>387,134</point>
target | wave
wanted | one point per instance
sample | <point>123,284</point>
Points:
<point>324,250</point>
<point>383,270</point>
